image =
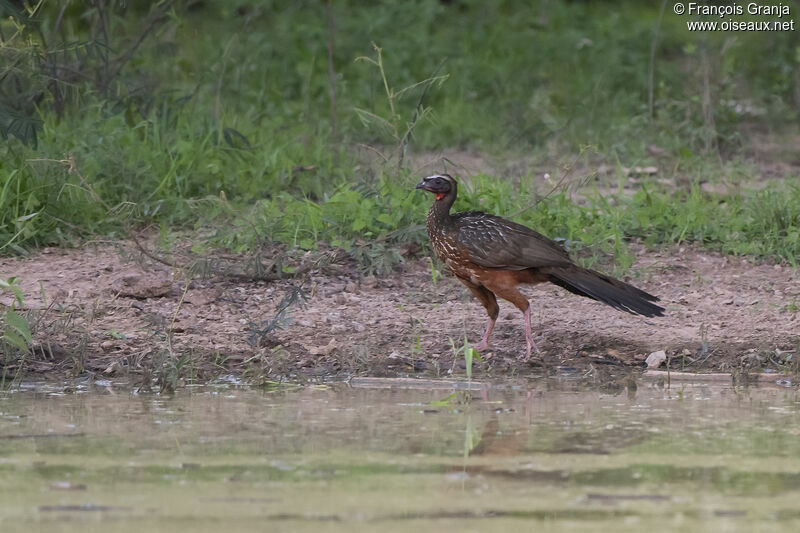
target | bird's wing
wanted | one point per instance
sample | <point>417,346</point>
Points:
<point>495,242</point>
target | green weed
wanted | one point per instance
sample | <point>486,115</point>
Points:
<point>469,354</point>
<point>235,142</point>
<point>16,340</point>
<point>16,331</point>
<point>399,128</point>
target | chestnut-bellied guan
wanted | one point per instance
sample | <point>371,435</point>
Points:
<point>492,255</point>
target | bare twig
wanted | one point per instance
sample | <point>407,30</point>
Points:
<point>368,147</point>
<point>149,254</point>
<point>155,19</point>
<point>564,175</point>
<point>651,72</point>
<point>73,169</point>
<point>267,275</point>
<point>707,104</point>
<point>457,165</point>
<point>103,19</point>
<point>59,18</point>
<point>331,71</point>
<point>171,328</point>
<point>218,92</point>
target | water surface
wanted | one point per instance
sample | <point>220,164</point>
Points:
<point>549,455</point>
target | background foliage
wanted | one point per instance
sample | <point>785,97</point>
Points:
<point>218,116</point>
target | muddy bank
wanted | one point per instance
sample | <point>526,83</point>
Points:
<point>94,311</point>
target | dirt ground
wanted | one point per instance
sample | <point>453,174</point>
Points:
<point>99,310</point>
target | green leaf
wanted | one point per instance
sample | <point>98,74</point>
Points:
<point>447,400</point>
<point>15,340</point>
<point>17,332</point>
<point>10,285</point>
<point>19,323</point>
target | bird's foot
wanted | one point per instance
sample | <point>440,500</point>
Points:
<point>531,345</point>
<point>528,337</point>
<point>484,344</point>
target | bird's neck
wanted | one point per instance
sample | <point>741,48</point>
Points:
<point>439,213</point>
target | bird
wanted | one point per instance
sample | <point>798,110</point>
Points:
<point>492,256</point>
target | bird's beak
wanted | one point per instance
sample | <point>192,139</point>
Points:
<point>421,185</point>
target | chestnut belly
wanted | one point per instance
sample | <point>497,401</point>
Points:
<point>493,277</point>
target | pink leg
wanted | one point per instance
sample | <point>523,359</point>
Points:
<point>528,338</point>
<point>485,340</point>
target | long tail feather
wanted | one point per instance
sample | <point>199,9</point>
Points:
<point>597,286</point>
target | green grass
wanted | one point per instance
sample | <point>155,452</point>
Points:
<point>221,122</point>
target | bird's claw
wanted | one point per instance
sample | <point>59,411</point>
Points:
<point>531,345</point>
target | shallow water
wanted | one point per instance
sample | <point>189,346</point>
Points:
<point>550,455</point>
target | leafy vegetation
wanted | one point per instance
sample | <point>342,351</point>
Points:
<point>16,335</point>
<point>261,122</point>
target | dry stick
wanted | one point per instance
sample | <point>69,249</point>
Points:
<point>299,271</point>
<point>170,330</point>
<point>457,165</point>
<point>331,72</point>
<point>555,187</point>
<point>57,25</point>
<point>368,147</point>
<point>707,103</point>
<point>446,160</point>
<point>125,57</point>
<point>73,169</point>
<point>651,72</point>
<point>218,91</point>
<point>101,15</point>
<point>149,254</point>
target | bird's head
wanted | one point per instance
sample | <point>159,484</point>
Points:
<point>439,184</point>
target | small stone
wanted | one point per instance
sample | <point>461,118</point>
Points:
<point>138,286</point>
<point>324,350</point>
<point>655,359</point>
<point>66,485</point>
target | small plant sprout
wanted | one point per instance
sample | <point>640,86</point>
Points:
<point>469,353</point>
<point>435,273</point>
<point>16,331</point>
